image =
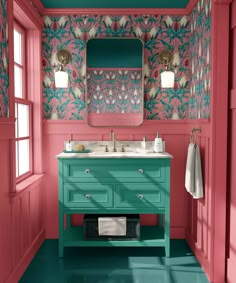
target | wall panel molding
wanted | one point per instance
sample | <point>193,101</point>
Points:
<point>233,99</point>
<point>27,15</point>
<point>79,127</point>
<point>7,128</point>
<point>199,231</point>
<point>233,13</point>
<point>114,11</point>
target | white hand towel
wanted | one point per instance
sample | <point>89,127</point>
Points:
<point>190,169</point>
<point>198,187</point>
<point>112,226</point>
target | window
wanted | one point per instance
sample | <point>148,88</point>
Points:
<point>23,107</point>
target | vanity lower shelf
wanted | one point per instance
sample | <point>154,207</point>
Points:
<point>151,236</point>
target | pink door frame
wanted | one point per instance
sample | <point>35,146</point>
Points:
<point>219,120</point>
<point>231,195</point>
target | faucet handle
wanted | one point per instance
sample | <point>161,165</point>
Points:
<point>106,147</point>
<point>123,147</point>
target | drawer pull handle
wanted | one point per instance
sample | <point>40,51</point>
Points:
<point>140,196</point>
<point>88,196</point>
<point>140,171</point>
<point>87,171</point>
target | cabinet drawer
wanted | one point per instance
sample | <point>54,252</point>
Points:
<point>116,168</point>
<point>140,195</point>
<point>88,195</point>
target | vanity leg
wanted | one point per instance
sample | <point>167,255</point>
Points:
<point>167,214</point>
<point>60,212</point>
<point>61,250</point>
<point>160,220</point>
<point>167,233</point>
<point>61,233</point>
<point>68,220</point>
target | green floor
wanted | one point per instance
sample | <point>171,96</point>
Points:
<point>114,265</point>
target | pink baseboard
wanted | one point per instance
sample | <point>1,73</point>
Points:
<point>27,258</point>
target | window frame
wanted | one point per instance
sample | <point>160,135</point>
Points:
<point>24,101</point>
<point>23,65</point>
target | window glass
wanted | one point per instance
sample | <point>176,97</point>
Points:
<point>17,47</point>
<point>22,107</point>
<point>18,81</point>
<point>17,161</point>
<point>23,147</point>
<point>23,120</point>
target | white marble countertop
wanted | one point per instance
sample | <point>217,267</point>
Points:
<point>133,149</point>
<point>100,154</point>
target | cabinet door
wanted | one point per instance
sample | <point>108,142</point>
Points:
<point>146,195</point>
<point>92,195</point>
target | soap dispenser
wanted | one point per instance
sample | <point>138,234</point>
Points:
<point>144,143</point>
<point>68,146</point>
<point>158,145</point>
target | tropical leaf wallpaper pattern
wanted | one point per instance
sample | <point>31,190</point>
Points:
<point>187,37</point>
<point>4,80</point>
<point>199,102</point>
<point>157,32</point>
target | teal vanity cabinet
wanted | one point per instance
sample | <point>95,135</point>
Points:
<point>90,185</point>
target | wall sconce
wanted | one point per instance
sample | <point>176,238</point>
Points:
<point>167,77</point>
<point>61,76</point>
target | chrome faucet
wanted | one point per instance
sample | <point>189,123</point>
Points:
<point>113,139</point>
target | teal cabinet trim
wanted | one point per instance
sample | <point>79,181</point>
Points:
<point>114,186</point>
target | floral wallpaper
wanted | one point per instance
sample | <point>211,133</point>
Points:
<point>3,59</point>
<point>157,32</point>
<point>199,102</point>
<point>114,91</point>
<point>188,37</point>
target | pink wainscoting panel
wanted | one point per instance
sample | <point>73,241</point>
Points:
<point>176,145</point>
<point>5,215</point>
<point>21,215</point>
<point>27,227</point>
<point>199,230</point>
<point>176,135</point>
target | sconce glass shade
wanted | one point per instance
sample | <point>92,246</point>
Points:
<point>167,79</point>
<point>61,79</point>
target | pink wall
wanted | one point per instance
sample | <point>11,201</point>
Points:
<point>231,227</point>
<point>21,217</point>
